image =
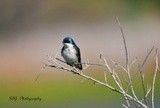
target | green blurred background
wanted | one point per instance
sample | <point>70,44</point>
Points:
<point>31,29</point>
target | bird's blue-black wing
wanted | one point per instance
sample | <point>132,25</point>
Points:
<point>78,54</point>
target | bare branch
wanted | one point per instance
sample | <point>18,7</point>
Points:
<point>149,53</point>
<point>133,62</point>
<point>147,93</point>
<point>124,106</point>
<point>40,72</point>
<point>143,63</point>
<point>86,63</point>
<point>55,64</point>
<point>124,41</point>
<point>127,60</point>
<point>154,78</point>
<point>118,65</point>
<point>115,78</point>
<point>45,64</point>
<point>105,78</point>
<point>77,72</point>
<point>142,74</point>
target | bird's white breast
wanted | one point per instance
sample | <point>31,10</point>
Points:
<point>69,54</point>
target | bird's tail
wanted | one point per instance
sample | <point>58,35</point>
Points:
<point>79,66</point>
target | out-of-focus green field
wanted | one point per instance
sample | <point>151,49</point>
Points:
<point>54,91</point>
<point>61,89</point>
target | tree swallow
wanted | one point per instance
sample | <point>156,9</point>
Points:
<point>71,53</point>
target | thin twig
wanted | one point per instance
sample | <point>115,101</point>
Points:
<point>116,79</point>
<point>124,41</point>
<point>149,53</point>
<point>105,77</point>
<point>133,62</point>
<point>154,78</point>
<point>147,93</point>
<point>124,106</point>
<point>40,72</point>
<point>117,64</point>
<point>127,59</point>
<point>144,61</point>
<point>87,63</point>
<point>142,74</point>
<point>49,60</point>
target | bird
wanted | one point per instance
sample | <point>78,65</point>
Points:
<point>71,53</point>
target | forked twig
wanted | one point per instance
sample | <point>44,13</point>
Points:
<point>115,78</point>
<point>127,60</point>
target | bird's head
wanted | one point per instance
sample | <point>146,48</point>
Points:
<point>68,40</point>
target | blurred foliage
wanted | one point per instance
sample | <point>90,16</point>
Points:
<point>14,12</point>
